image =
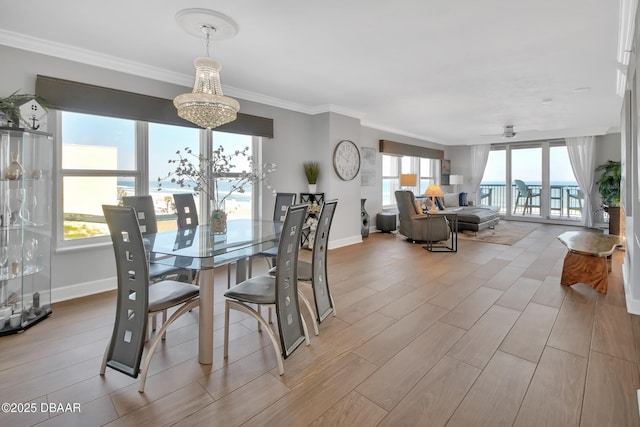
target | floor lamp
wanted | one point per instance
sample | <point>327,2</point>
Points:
<point>455,180</point>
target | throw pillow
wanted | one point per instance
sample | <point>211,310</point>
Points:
<point>463,199</point>
<point>451,200</point>
<point>439,203</point>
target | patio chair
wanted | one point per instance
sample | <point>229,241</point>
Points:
<point>136,300</point>
<point>527,195</point>
<point>576,197</point>
<point>281,291</point>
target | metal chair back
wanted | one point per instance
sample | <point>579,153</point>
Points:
<point>290,326</point>
<point>186,210</point>
<point>145,212</point>
<point>283,201</point>
<point>127,341</point>
<point>319,281</point>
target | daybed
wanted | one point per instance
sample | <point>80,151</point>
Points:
<point>473,218</point>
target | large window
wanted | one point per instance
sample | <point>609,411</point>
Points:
<point>102,159</point>
<point>550,189</point>
<point>97,163</point>
<point>393,166</point>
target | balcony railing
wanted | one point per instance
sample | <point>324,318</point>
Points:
<point>565,201</point>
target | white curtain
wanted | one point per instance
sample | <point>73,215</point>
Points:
<point>479,157</point>
<point>582,156</point>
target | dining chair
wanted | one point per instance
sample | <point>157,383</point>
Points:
<point>136,299</point>
<point>159,269</point>
<point>280,290</point>
<point>186,210</point>
<point>315,272</point>
<point>283,201</point>
<point>146,215</point>
<point>526,193</point>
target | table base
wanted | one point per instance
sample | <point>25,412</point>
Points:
<point>588,269</point>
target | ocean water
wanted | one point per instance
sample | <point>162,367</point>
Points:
<point>169,188</point>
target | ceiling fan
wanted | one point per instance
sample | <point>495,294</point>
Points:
<point>508,132</point>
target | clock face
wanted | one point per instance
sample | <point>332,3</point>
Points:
<point>346,160</point>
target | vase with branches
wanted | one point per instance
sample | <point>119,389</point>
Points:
<point>203,175</point>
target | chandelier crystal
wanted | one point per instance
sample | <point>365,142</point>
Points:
<point>206,106</point>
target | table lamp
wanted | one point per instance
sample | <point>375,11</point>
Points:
<point>433,191</point>
<point>408,180</point>
<point>455,180</point>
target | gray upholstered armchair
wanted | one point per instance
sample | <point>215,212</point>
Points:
<point>415,225</point>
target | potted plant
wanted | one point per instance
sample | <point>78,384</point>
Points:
<point>311,171</point>
<point>609,187</point>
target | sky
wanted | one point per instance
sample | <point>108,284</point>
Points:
<point>164,140</point>
<point>527,165</point>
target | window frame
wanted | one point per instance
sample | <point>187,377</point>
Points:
<point>140,173</point>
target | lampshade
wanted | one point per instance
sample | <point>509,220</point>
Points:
<point>456,179</point>
<point>206,106</point>
<point>433,190</point>
<point>408,179</point>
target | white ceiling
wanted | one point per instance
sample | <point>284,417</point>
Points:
<point>446,71</point>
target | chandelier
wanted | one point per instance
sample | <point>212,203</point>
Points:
<point>206,106</point>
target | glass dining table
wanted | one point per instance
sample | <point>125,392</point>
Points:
<point>197,248</point>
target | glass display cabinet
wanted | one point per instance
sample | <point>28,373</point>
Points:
<point>26,159</point>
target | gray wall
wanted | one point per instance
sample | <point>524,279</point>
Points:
<point>297,137</point>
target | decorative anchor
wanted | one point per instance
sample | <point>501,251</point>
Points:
<point>34,126</point>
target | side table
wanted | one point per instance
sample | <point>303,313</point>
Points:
<point>450,245</point>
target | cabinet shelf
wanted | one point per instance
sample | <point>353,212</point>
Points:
<point>28,270</point>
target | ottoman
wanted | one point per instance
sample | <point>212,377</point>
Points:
<point>476,218</point>
<point>386,222</point>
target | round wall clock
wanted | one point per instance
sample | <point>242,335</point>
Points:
<point>346,160</point>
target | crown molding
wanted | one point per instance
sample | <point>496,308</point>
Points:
<point>85,56</point>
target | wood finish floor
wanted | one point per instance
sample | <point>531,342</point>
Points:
<point>483,337</point>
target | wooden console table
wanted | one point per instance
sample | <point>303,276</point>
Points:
<point>588,258</point>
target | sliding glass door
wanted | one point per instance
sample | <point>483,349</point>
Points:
<point>533,181</point>
<point>526,180</point>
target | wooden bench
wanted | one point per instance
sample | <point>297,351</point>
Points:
<point>588,259</point>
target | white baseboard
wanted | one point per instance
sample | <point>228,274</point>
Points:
<point>65,293</point>
<point>333,244</point>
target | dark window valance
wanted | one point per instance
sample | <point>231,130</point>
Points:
<point>390,147</point>
<point>89,99</point>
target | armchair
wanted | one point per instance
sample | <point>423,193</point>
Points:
<point>414,224</point>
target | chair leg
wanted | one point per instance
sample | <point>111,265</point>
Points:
<point>311,312</point>
<point>225,350</point>
<point>333,304</point>
<point>274,341</point>
<point>307,341</point>
<point>103,367</point>
<point>164,320</point>
<point>152,348</point>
